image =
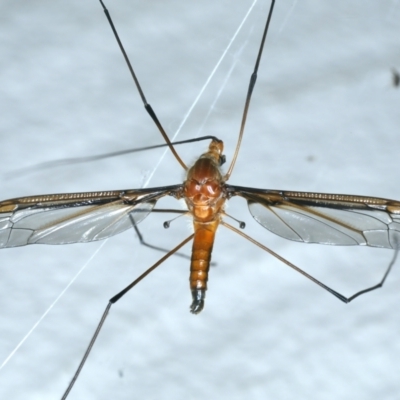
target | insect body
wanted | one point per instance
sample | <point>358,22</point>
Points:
<point>331,219</point>
<point>205,198</point>
<point>304,217</point>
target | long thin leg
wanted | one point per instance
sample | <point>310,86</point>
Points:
<point>77,160</point>
<point>147,106</point>
<point>152,246</point>
<point>327,288</point>
<point>158,248</point>
<point>252,83</point>
<point>107,309</point>
<point>162,249</point>
<point>395,77</point>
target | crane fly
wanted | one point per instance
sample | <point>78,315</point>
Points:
<point>331,219</point>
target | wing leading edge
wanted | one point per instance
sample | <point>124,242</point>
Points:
<point>332,219</point>
<point>75,217</point>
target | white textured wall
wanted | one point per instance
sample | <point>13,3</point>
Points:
<point>324,117</point>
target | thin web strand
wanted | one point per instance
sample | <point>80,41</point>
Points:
<point>287,17</point>
<point>196,100</point>
<point>221,90</point>
<point>146,183</point>
<point>36,324</point>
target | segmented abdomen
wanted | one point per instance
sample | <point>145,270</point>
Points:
<point>200,263</point>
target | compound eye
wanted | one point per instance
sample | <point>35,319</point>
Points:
<point>222,159</point>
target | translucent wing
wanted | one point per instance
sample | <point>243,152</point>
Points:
<point>74,217</point>
<point>325,218</point>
